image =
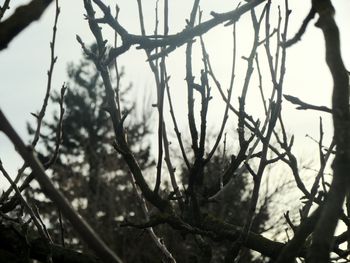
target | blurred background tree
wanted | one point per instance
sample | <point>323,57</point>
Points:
<point>96,180</point>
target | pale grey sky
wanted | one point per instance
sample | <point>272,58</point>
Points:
<point>25,62</point>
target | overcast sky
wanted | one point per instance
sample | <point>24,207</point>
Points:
<point>25,62</point>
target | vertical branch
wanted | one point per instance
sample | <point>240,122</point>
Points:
<point>278,44</point>
<point>59,131</point>
<point>160,104</point>
<point>275,112</point>
<point>159,76</point>
<point>121,142</point>
<point>117,74</point>
<point>315,186</point>
<point>323,234</point>
<point>249,71</point>
<point>150,230</point>
<point>205,97</point>
<point>161,83</point>
<point>196,172</point>
<point>141,19</point>
<point>176,128</point>
<point>229,95</point>
<point>204,90</point>
<point>53,60</point>
<point>171,169</point>
<point>190,83</point>
<point>260,84</point>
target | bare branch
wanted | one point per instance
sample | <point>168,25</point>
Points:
<point>301,30</point>
<point>306,106</point>
<point>176,40</point>
<point>4,8</point>
<point>80,225</point>
<point>322,238</point>
<point>22,17</point>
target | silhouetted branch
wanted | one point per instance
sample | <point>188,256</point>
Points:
<point>301,30</point>
<point>296,244</point>
<point>40,116</point>
<point>79,224</point>
<point>120,135</point>
<point>304,105</point>
<point>21,18</point>
<point>171,41</point>
<point>323,235</point>
<point>34,217</point>
<point>4,8</point>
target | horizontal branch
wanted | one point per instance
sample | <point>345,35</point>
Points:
<point>170,41</point>
<point>306,106</point>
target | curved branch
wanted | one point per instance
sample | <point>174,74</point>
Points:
<point>323,235</point>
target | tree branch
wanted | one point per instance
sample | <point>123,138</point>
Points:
<point>79,224</point>
<point>22,17</point>
<point>323,235</point>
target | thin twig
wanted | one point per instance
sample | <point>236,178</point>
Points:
<point>301,30</point>
<point>171,168</point>
<point>39,117</point>
<point>228,101</point>
<point>176,128</point>
<point>150,230</point>
<point>34,217</point>
<point>4,8</point>
<point>160,103</point>
<point>120,136</point>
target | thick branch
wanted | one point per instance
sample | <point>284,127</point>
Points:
<point>323,235</point>
<point>23,17</point>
